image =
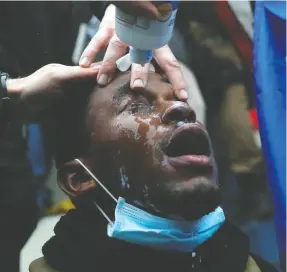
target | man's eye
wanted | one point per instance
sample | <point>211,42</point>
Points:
<point>139,108</point>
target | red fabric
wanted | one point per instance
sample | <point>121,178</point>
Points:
<point>239,38</point>
<point>236,32</point>
<point>254,118</point>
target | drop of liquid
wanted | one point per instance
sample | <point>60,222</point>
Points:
<point>124,63</point>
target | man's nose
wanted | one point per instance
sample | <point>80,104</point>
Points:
<point>179,111</point>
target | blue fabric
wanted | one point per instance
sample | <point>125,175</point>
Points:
<point>36,150</point>
<point>270,83</point>
<point>136,226</point>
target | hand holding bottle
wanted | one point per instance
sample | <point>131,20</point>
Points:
<point>116,49</point>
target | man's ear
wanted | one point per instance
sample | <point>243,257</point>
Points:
<point>74,180</point>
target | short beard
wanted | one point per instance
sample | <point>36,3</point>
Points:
<point>187,200</point>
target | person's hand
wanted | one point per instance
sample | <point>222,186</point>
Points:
<point>106,37</point>
<point>38,93</point>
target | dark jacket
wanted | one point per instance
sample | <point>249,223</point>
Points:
<point>81,244</point>
<point>40,265</point>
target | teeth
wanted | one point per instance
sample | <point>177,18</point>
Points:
<point>181,123</point>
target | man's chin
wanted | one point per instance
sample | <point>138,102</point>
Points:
<point>189,200</point>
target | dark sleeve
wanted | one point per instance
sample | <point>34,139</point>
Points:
<point>98,8</point>
<point>17,181</point>
<point>8,65</point>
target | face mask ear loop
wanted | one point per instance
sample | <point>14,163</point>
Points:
<point>94,177</point>
<point>103,187</point>
<point>103,213</point>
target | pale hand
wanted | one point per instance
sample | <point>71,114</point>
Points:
<point>38,93</point>
<point>106,37</point>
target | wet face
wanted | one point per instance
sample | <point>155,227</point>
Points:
<point>149,148</point>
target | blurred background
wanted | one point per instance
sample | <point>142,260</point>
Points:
<point>213,42</point>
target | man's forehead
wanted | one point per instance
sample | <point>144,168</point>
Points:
<point>110,89</point>
<point>120,85</point>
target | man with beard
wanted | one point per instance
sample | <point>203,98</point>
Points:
<point>144,181</point>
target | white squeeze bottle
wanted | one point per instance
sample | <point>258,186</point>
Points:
<point>143,34</point>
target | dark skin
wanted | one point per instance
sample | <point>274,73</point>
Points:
<point>147,147</point>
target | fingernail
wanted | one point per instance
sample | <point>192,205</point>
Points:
<point>103,79</point>
<point>84,62</point>
<point>138,83</point>
<point>183,94</point>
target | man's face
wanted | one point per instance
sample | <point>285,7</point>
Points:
<point>149,148</point>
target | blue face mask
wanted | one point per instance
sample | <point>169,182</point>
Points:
<point>136,226</point>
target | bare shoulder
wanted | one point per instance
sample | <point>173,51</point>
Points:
<point>40,265</point>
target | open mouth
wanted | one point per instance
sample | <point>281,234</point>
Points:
<point>189,139</point>
<point>188,146</point>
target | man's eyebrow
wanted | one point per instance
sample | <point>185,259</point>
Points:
<point>125,89</point>
<point>122,91</point>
